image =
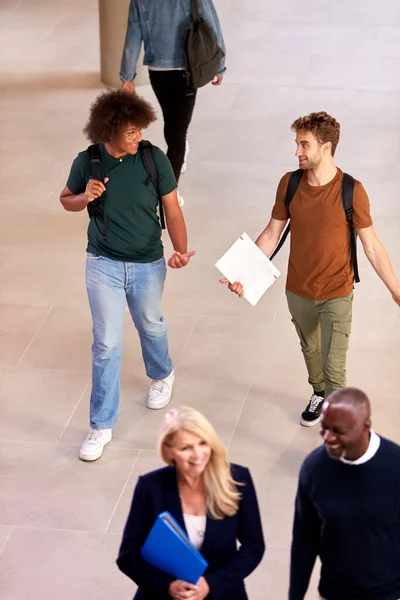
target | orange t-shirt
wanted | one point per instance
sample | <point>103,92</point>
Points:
<point>320,261</point>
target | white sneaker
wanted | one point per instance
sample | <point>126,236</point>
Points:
<point>181,201</point>
<point>93,446</point>
<point>184,166</point>
<point>160,392</point>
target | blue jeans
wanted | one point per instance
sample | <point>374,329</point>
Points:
<point>109,283</point>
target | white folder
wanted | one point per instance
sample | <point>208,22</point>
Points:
<point>246,263</point>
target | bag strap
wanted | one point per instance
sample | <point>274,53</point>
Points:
<point>293,184</point>
<point>95,163</point>
<point>347,201</point>
<point>97,173</point>
<point>149,163</point>
<point>194,7</point>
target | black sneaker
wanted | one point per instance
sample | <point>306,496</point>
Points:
<point>312,415</point>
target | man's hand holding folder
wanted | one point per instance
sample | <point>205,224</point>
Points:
<point>246,270</point>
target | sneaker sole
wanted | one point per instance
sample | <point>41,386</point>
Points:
<point>310,423</point>
<point>93,457</point>
<point>158,406</point>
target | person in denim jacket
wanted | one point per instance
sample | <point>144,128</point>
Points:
<point>162,26</point>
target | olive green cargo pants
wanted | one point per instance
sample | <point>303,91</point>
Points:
<point>323,327</point>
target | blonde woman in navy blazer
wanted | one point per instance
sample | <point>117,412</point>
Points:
<point>198,486</point>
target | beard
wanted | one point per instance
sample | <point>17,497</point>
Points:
<point>336,456</point>
<point>312,162</point>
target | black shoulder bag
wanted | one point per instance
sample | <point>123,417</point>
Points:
<point>203,54</point>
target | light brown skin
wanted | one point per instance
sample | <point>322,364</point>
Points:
<point>190,454</point>
<point>317,160</point>
<point>345,426</point>
<point>127,143</point>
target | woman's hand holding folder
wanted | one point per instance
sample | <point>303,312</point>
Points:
<point>180,590</point>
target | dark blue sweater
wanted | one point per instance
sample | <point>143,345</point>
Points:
<point>349,515</point>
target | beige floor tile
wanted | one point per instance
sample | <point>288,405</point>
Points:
<point>271,578</point>
<point>35,228</point>
<point>47,486</point>
<point>43,279</point>
<point>241,145</point>
<point>64,341</point>
<point>139,427</point>
<point>244,349</point>
<point>276,434</point>
<point>245,142</point>
<point>9,5</point>
<point>199,292</point>
<point>18,325</point>
<point>34,170</point>
<point>276,486</point>
<point>214,101</point>
<point>146,462</point>
<point>244,185</point>
<point>354,154</point>
<point>5,533</point>
<point>275,105</point>
<point>62,564</point>
<point>35,405</point>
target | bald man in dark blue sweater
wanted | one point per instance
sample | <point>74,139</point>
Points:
<point>348,508</point>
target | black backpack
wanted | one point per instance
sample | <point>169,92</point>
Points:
<point>347,201</point>
<point>203,55</point>
<point>97,208</point>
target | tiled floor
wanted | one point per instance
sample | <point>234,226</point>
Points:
<point>61,519</point>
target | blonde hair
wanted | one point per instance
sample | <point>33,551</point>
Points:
<point>222,496</point>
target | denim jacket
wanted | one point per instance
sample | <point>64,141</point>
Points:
<point>162,25</point>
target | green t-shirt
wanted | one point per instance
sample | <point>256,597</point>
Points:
<point>134,231</point>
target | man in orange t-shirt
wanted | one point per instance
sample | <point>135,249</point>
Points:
<point>319,286</point>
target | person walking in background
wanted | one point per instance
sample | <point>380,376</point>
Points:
<point>162,27</point>
<point>212,500</point>
<point>319,285</point>
<point>125,257</point>
<point>348,508</point>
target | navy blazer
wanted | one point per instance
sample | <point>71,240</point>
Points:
<point>228,566</point>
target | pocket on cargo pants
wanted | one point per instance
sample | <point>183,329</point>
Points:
<point>335,367</point>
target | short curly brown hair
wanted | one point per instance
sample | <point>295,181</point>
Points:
<point>322,125</point>
<point>112,111</point>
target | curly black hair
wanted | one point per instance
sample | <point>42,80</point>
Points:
<point>112,111</point>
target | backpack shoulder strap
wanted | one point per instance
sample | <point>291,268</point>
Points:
<point>194,8</point>
<point>347,196</point>
<point>95,161</point>
<point>147,154</point>
<point>347,201</point>
<point>94,155</point>
<point>149,163</point>
<point>293,184</point>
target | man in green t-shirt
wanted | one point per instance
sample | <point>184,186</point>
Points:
<point>125,257</point>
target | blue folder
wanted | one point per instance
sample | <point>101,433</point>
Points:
<point>168,548</point>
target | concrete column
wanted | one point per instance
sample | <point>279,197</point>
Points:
<point>113,15</point>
